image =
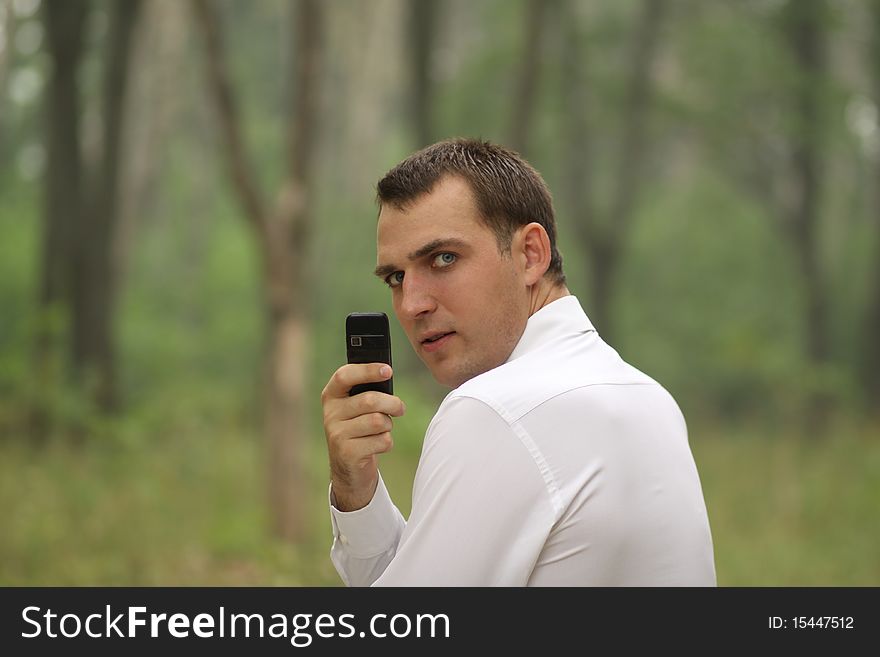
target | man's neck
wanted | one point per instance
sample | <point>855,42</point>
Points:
<point>543,293</point>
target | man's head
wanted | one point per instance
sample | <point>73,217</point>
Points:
<point>508,191</point>
<point>466,241</point>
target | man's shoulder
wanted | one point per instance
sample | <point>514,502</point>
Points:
<point>516,387</point>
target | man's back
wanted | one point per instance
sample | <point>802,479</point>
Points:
<point>613,498</point>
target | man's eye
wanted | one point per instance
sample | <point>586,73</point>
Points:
<point>444,259</point>
<point>394,279</point>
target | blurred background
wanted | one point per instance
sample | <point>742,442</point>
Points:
<point>187,215</point>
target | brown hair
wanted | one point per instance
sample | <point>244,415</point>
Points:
<point>509,192</point>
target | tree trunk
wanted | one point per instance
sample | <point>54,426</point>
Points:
<point>285,408</point>
<point>806,37</point>
<point>8,37</point>
<point>604,269</point>
<point>525,96</point>
<point>577,141</point>
<point>283,235</point>
<point>95,295</point>
<point>422,16</point>
<point>64,22</point>
<point>578,181</point>
<point>154,102</point>
<point>603,238</point>
<point>635,114</point>
<point>289,353</point>
<point>871,361</point>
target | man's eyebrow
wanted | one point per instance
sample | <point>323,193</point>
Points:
<point>383,271</point>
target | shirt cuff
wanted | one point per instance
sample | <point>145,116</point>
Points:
<point>369,531</point>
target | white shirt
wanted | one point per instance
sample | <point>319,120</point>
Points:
<point>565,466</point>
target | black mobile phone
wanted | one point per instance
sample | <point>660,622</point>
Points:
<point>368,340</point>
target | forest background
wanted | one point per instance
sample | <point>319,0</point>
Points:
<point>187,215</point>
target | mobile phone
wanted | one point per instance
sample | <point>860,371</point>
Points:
<point>368,340</point>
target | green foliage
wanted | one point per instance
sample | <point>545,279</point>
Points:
<point>180,507</point>
<point>709,301</point>
<point>185,506</point>
<point>785,512</point>
<point>708,295</point>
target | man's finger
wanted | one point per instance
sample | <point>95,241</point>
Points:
<point>358,427</point>
<point>348,376</point>
<point>371,401</point>
<point>366,446</point>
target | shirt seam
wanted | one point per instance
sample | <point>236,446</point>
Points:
<point>550,484</point>
<point>568,390</point>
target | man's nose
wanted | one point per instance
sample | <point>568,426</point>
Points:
<point>416,299</point>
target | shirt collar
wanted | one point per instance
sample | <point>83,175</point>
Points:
<point>558,318</point>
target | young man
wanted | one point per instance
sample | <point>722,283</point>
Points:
<point>552,462</point>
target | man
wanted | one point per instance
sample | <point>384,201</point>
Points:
<point>552,462</point>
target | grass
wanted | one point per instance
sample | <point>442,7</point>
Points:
<point>786,511</point>
<point>185,505</point>
<point>183,508</point>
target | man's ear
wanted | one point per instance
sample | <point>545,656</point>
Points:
<point>534,250</point>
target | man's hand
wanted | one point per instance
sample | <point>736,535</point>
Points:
<point>358,429</point>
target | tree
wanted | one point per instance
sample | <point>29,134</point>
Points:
<point>155,101</point>
<point>282,229</point>
<point>77,277</point>
<point>422,17</point>
<point>871,362</point>
<point>772,125</point>
<point>603,234</point>
<point>7,38</point>
<point>94,273</point>
<point>525,96</point>
<point>805,35</point>
<point>64,22</point>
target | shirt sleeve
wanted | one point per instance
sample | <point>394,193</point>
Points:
<point>481,510</point>
<point>364,541</point>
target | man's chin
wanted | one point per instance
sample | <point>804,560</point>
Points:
<point>443,376</point>
<point>444,380</point>
<point>447,375</point>
<point>449,379</point>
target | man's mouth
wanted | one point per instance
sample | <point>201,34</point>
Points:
<point>436,337</point>
<point>436,341</point>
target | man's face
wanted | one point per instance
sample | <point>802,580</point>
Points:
<point>462,304</point>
